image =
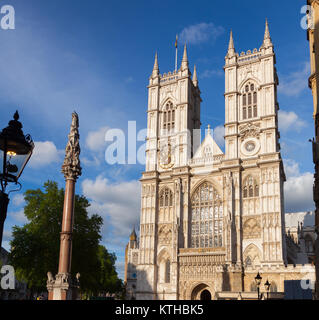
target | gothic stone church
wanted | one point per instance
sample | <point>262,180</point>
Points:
<point>210,221</point>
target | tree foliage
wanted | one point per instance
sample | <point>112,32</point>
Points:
<point>35,246</point>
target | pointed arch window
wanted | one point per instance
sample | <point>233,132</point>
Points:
<point>249,102</point>
<point>168,118</point>
<point>250,188</point>
<point>273,287</point>
<point>248,262</point>
<point>166,198</point>
<point>167,271</point>
<point>207,218</point>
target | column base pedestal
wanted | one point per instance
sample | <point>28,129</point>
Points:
<point>62,287</point>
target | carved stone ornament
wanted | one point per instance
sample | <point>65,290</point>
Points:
<point>63,279</point>
<point>50,278</point>
<point>249,131</point>
<point>251,228</point>
<point>165,234</point>
<point>71,167</point>
<point>166,155</point>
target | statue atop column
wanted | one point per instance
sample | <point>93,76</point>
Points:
<point>71,167</point>
<point>63,287</point>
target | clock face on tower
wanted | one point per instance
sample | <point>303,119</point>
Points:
<point>250,147</point>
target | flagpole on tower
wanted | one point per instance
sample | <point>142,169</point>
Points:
<point>176,47</point>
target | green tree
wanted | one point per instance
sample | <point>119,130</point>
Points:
<point>35,246</point>
<point>108,278</point>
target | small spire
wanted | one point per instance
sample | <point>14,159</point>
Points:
<point>185,59</point>
<point>267,33</point>
<point>133,235</point>
<point>231,47</point>
<point>16,116</point>
<point>195,81</point>
<point>208,130</point>
<point>231,41</point>
<point>267,39</point>
<point>155,68</point>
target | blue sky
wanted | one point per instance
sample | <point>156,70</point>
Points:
<point>96,56</point>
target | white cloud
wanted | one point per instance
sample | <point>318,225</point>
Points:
<point>218,135</point>
<point>118,203</point>
<point>6,235</point>
<point>200,33</point>
<point>298,190</point>
<point>44,153</point>
<point>297,81</point>
<point>18,200</point>
<point>91,163</point>
<point>6,238</point>
<point>95,140</point>
<point>18,216</point>
<point>291,168</point>
<point>299,193</point>
<point>289,120</point>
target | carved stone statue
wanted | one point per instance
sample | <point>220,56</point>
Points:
<point>71,167</point>
<point>50,277</point>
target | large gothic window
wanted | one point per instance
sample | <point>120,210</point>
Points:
<point>166,198</point>
<point>250,188</point>
<point>207,218</point>
<point>168,118</point>
<point>249,101</point>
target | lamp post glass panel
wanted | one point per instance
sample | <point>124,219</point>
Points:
<point>258,282</point>
<point>267,286</point>
<point>15,152</point>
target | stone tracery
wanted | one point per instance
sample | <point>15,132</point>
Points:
<point>207,215</point>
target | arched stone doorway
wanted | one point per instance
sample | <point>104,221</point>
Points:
<point>201,292</point>
<point>205,295</point>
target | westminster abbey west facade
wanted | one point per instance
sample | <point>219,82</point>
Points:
<point>211,220</point>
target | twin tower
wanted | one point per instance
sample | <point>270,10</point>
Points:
<point>211,220</point>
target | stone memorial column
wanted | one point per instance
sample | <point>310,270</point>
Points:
<point>63,287</point>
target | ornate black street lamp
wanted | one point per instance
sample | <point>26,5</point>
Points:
<point>267,286</point>
<point>15,152</point>
<point>258,282</point>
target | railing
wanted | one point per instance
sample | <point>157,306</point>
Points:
<point>207,160</point>
<point>248,58</point>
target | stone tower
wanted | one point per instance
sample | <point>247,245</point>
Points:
<point>252,141</point>
<point>211,220</point>
<point>173,113</point>
<point>131,260</point>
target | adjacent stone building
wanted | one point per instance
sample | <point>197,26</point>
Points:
<point>131,262</point>
<point>300,237</point>
<point>313,38</point>
<point>211,220</point>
